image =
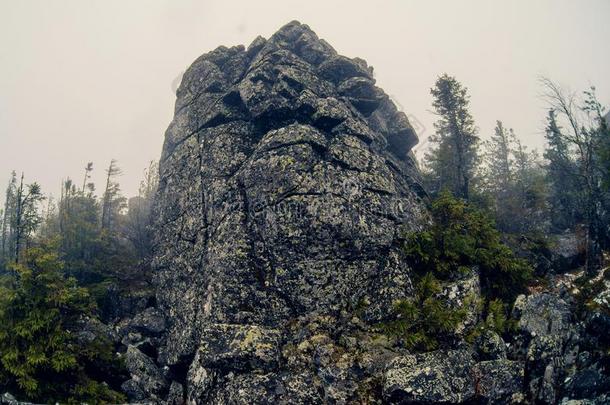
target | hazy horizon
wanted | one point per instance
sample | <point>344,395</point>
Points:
<point>91,81</point>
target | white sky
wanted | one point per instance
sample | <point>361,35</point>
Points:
<point>92,80</point>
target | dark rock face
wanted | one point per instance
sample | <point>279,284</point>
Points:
<point>286,182</point>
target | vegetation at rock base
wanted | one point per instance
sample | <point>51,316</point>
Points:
<point>60,264</point>
<point>421,322</point>
<point>41,356</point>
<point>462,238</point>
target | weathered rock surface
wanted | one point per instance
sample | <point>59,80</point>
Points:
<point>147,381</point>
<point>286,184</point>
<point>499,381</point>
<point>435,377</point>
<point>490,346</point>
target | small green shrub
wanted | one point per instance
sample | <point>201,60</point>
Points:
<point>422,322</point>
<point>494,319</point>
<point>40,357</point>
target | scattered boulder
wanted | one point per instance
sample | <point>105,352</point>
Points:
<point>544,314</point>
<point>589,383</point>
<point>149,322</point>
<point>91,329</point>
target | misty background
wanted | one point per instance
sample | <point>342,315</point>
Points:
<point>90,81</point>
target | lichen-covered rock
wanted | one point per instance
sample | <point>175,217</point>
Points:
<point>90,329</point>
<point>544,315</point>
<point>499,381</point>
<point>464,294</point>
<point>490,346</point>
<point>551,340</point>
<point>175,395</point>
<point>435,377</point>
<point>147,381</point>
<point>286,184</point>
<point>239,347</point>
<point>149,322</point>
<point>589,383</point>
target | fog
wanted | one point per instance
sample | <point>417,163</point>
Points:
<point>90,81</point>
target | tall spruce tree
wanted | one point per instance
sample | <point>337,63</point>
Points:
<point>112,201</point>
<point>26,216</point>
<point>6,244</point>
<point>498,158</point>
<point>453,160</point>
<point>562,178</point>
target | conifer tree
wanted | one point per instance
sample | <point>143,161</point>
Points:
<point>498,158</point>
<point>112,201</point>
<point>8,211</point>
<point>26,216</point>
<point>453,160</point>
<point>574,164</point>
<point>514,183</point>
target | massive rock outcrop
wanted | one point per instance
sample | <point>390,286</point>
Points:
<point>286,186</point>
<point>286,183</point>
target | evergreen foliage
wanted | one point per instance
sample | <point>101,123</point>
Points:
<point>576,166</point>
<point>40,355</point>
<point>461,238</point>
<point>423,322</point>
<point>451,164</point>
<point>514,182</point>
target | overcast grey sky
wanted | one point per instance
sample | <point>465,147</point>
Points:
<point>92,80</point>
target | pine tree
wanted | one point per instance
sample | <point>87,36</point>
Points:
<point>530,190</point>
<point>562,174</point>
<point>453,161</point>
<point>80,234</point>
<point>604,150</point>
<point>88,170</point>
<point>498,158</point>
<point>137,222</point>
